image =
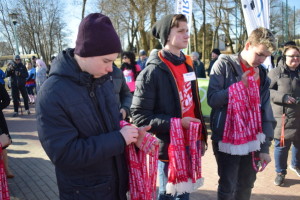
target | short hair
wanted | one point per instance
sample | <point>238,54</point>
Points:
<point>195,54</point>
<point>290,43</point>
<point>176,19</point>
<point>262,36</point>
<point>286,48</point>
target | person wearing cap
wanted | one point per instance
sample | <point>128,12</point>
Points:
<point>198,65</point>
<point>18,73</point>
<point>78,117</point>
<point>142,59</point>
<point>164,91</point>
<point>214,56</point>
<point>241,119</point>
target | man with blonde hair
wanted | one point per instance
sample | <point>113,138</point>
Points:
<point>241,135</point>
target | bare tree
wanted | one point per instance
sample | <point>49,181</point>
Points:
<point>83,8</point>
<point>39,29</point>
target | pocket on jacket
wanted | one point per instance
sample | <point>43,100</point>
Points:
<point>218,124</point>
<point>100,191</point>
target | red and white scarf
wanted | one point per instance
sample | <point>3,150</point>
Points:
<point>4,193</point>
<point>184,173</point>
<point>243,126</point>
<point>142,169</point>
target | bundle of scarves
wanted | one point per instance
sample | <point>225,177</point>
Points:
<point>4,193</point>
<point>142,166</point>
<point>184,173</point>
<point>243,126</point>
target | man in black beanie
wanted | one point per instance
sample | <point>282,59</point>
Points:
<point>214,56</point>
<point>167,89</point>
<point>79,119</point>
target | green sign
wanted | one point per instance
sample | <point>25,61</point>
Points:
<point>203,86</point>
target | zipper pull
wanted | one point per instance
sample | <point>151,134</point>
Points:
<point>92,94</point>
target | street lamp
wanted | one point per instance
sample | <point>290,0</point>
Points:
<point>14,19</point>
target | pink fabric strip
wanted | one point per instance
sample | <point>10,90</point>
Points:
<point>142,171</point>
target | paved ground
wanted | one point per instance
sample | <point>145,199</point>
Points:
<point>35,178</point>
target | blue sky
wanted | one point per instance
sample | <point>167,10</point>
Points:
<point>293,3</point>
<point>72,17</point>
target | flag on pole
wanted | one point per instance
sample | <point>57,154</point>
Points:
<point>257,14</point>
<point>185,7</point>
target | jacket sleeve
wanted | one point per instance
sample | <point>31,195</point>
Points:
<point>3,75</point>
<point>276,96</point>
<point>143,103</point>
<point>30,77</point>
<point>217,94</point>
<point>202,70</point>
<point>125,96</point>
<point>24,72</point>
<point>268,121</point>
<point>4,97</point>
<point>60,138</point>
<point>9,71</point>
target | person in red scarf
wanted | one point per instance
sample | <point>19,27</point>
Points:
<point>236,166</point>
<point>167,89</point>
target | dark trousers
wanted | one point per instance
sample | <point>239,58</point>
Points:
<point>236,173</point>
<point>30,90</point>
<point>16,96</point>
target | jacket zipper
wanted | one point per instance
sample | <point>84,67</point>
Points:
<point>219,117</point>
<point>95,102</point>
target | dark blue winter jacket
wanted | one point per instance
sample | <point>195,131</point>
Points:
<point>78,126</point>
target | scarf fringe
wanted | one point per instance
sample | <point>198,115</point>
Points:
<point>184,187</point>
<point>243,149</point>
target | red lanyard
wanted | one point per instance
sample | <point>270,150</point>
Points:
<point>257,163</point>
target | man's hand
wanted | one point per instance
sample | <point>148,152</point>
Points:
<point>4,140</point>
<point>123,112</point>
<point>142,134</point>
<point>264,157</point>
<point>130,134</point>
<point>245,76</point>
<point>185,122</point>
<point>288,99</point>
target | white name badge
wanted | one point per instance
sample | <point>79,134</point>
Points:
<point>191,76</point>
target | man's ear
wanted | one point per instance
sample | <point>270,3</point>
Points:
<point>247,45</point>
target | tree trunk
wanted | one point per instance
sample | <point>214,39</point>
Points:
<point>83,8</point>
<point>195,34</point>
<point>204,34</point>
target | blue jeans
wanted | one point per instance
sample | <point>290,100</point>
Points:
<point>163,180</point>
<point>281,155</point>
<point>236,175</point>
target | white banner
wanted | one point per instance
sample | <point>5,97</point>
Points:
<point>185,7</point>
<point>257,14</point>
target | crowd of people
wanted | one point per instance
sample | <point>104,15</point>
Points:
<point>83,100</point>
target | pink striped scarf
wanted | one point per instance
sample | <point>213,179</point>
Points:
<point>243,126</point>
<point>4,193</point>
<point>184,152</point>
<point>142,167</point>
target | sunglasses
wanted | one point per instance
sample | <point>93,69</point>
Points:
<point>124,57</point>
<point>17,59</point>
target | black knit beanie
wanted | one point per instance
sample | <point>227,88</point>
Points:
<point>216,51</point>
<point>161,29</point>
<point>96,37</point>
